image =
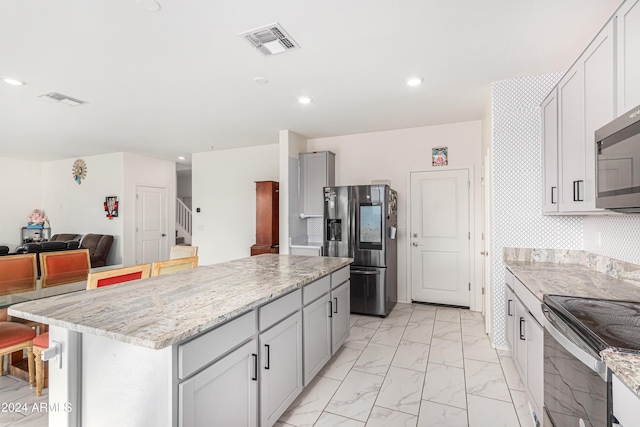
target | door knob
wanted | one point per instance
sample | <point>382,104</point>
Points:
<point>415,234</point>
<point>164,235</point>
<point>414,244</point>
<point>485,253</point>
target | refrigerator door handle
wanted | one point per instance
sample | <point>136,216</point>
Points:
<point>365,272</point>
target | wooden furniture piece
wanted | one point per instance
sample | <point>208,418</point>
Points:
<point>181,251</point>
<point>64,267</point>
<point>16,337</point>
<point>160,268</point>
<point>18,273</point>
<point>118,275</point>
<point>94,281</point>
<point>267,218</point>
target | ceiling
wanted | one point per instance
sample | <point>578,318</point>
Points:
<point>181,80</point>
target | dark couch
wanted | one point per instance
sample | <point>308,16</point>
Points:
<point>99,246</point>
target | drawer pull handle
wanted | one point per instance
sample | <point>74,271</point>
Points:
<point>330,309</point>
<point>255,367</point>
<point>553,201</point>
<point>522,329</point>
<point>335,309</point>
<point>509,313</point>
<point>268,356</point>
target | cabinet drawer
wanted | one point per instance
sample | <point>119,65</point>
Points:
<point>340,276</point>
<point>313,290</point>
<point>530,301</point>
<point>197,353</point>
<point>277,310</point>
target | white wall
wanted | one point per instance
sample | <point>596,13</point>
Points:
<point>150,172</point>
<point>74,208</point>
<point>393,155</point>
<point>224,190</point>
<point>20,189</point>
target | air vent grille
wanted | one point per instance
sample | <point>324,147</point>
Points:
<point>64,99</point>
<point>270,39</point>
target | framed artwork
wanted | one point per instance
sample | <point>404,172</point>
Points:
<point>440,156</point>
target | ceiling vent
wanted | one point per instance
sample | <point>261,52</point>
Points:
<point>64,99</point>
<point>270,39</point>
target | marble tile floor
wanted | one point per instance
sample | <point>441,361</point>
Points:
<point>421,366</point>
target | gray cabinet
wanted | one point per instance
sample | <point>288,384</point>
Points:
<point>281,368</point>
<point>628,56</point>
<point>226,392</point>
<point>340,311</point>
<point>317,336</point>
<point>317,170</point>
<point>550,153</point>
<point>534,335</point>
<point>510,306</point>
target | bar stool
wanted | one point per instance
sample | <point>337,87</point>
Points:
<point>15,337</point>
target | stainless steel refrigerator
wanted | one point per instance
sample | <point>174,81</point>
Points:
<point>360,222</point>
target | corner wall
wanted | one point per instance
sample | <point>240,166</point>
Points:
<point>393,155</point>
<point>517,219</point>
<point>291,144</point>
<point>21,190</point>
<point>224,189</point>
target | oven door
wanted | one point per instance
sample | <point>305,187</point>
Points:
<point>575,388</point>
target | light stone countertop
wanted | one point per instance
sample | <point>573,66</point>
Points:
<point>161,311</point>
<point>578,280</point>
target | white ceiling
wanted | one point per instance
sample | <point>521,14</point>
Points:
<point>180,80</point>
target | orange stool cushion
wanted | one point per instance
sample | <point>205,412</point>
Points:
<point>41,340</point>
<point>12,333</point>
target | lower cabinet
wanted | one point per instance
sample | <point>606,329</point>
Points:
<point>317,336</point>
<point>525,339</point>
<point>340,313</point>
<point>225,393</point>
<point>281,368</point>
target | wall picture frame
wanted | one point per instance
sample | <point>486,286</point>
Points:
<point>440,156</point>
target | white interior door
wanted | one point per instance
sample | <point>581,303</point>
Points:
<point>151,224</point>
<point>440,237</point>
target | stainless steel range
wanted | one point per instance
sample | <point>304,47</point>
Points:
<point>577,386</point>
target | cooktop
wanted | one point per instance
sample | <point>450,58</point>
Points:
<point>604,323</point>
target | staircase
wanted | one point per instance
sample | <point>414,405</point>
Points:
<point>184,219</point>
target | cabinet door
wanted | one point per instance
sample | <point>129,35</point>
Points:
<point>599,91</point>
<point>510,321</point>
<point>535,362</point>
<point>520,340</point>
<point>571,139</point>
<point>316,337</point>
<point>628,56</point>
<point>550,153</point>
<point>281,368</point>
<point>341,309</point>
<point>224,393</point>
<point>317,170</point>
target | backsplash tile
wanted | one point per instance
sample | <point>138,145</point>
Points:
<point>619,236</point>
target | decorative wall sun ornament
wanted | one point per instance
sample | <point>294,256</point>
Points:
<point>79,171</point>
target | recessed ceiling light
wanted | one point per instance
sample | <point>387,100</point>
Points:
<point>12,81</point>
<point>182,158</point>
<point>414,81</point>
<point>305,99</point>
<point>261,80</point>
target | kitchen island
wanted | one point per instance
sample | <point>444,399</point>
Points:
<point>233,342</point>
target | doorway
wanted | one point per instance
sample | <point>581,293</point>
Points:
<point>440,237</point>
<point>151,224</point>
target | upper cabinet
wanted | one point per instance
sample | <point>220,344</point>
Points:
<point>583,101</point>
<point>550,153</point>
<point>628,55</point>
<point>317,170</point>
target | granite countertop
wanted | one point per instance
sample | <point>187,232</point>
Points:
<point>578,280</point>
<point>165,310</point>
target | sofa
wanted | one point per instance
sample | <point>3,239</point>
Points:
<point>99,246</point>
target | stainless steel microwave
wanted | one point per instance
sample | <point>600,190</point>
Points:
<point>618,164</point>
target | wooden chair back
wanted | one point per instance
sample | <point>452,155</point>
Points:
<point>18,273</point>
<point>180,251</point>
<point>118,275</point>
<point>63,267</point>
<point>173,265</point>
